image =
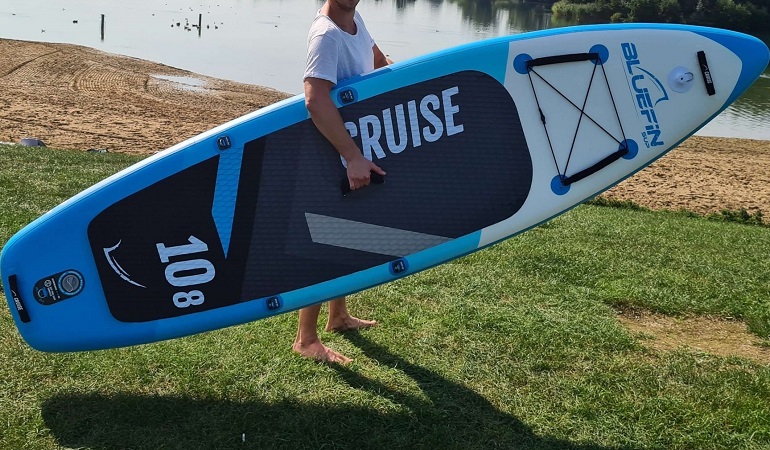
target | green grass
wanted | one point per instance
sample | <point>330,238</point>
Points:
<point>515,346</point>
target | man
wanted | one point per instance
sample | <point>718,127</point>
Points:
<point>339,47</point>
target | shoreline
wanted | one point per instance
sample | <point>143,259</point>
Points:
<point>76,97</point>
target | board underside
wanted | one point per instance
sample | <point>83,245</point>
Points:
<point>480,143</point>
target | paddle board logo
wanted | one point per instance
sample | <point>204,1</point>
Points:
<point>648,92</point>
<point>398,127</point>
<point>116,267</point>
<point>58,287</point>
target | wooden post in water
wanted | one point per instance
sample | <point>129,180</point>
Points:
<point>102,27</point>
<point>200,24</point>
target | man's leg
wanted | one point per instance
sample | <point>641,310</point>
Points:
<point>307,342</point>
<point>341,320</point>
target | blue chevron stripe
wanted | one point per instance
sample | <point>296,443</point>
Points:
<point>226,194</point>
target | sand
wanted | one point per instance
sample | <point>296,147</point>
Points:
<point>80,98</point>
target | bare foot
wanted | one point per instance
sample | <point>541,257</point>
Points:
<point>348,323</point>
<point>319,352</point>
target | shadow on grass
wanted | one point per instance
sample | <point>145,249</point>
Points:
<point>449,415</point>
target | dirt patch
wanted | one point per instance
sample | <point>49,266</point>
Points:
<point>701,334</point>
<point>704,175</point>
<point>76,97</point>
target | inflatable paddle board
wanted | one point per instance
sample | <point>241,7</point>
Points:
<point>480,142</point>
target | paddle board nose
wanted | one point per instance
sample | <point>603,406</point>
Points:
<point>753,53</point>
<point>757,55</point>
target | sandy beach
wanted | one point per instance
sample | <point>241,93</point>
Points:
<point>80,98</point>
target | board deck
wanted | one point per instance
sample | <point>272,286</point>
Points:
<point>480,142</point>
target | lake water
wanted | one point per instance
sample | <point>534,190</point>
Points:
<point>263,41</point>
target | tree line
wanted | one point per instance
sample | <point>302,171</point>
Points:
<point>739,15</point>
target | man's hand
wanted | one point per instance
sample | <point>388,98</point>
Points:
<point>359,172</point>
<point>327,119</point>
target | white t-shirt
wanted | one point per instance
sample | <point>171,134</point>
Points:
<point>335,55</point>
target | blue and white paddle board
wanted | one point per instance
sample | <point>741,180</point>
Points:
<point>480,142</point>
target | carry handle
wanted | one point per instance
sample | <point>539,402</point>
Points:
<point>374,178</point>
<point>566,181</point>
<point>13,286</point>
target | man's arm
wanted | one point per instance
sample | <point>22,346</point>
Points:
<point>327,119</point>
<point>380,60</point>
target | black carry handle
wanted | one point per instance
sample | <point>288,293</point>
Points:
<point>13,285</point>
<point>558,59</point>
<point>706,72</point>
<point>374,178</point>
<point>566,181</point>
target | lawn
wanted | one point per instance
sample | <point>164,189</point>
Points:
<point>515,346</point>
